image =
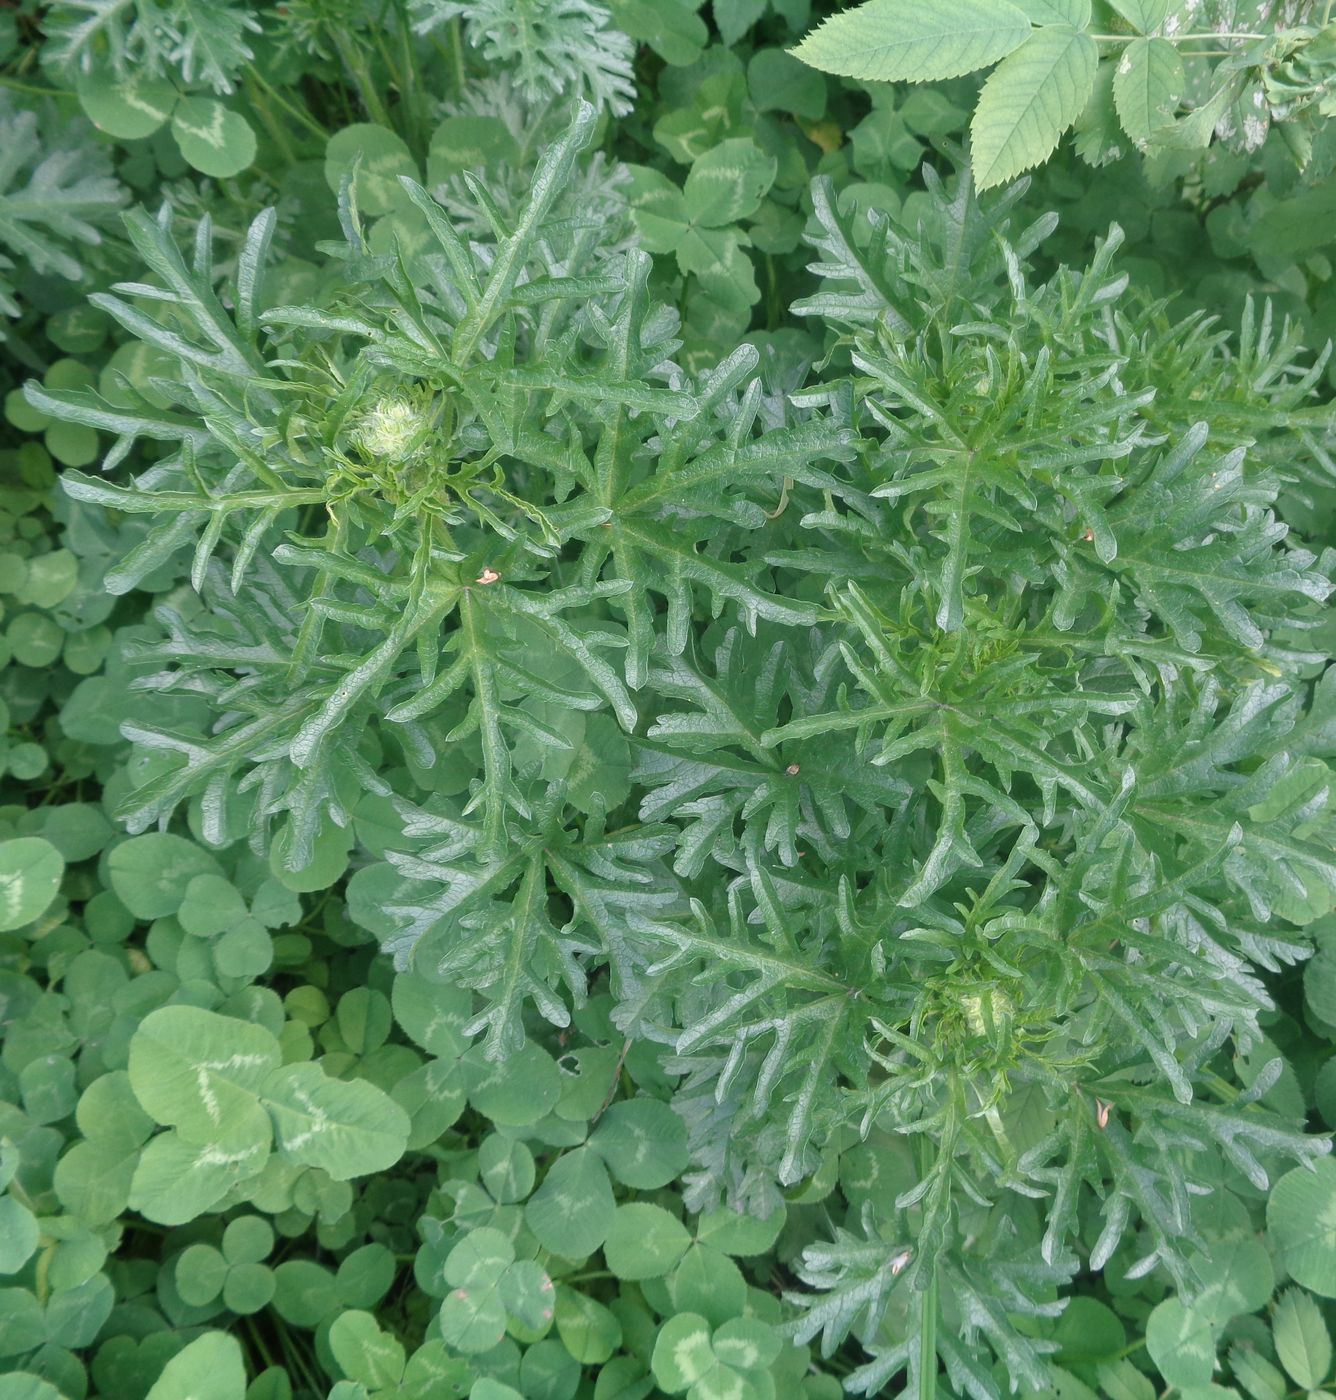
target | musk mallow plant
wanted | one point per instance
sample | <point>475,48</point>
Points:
<point>417,491</point>
<point>930,763</point>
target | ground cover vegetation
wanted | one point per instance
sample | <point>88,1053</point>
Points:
<point>667,699</point>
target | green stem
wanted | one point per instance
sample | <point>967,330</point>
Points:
<point>457,52</point>
<point>21,1196</point>
<point>927,1338</point>
<point>41,1285</point>
<point>259,104</point>
<point>411,89</point>
<point>1222,1087</point>
<point>62,94</point>
<point>396,78</point>
<point>294,1357</point>
<point>1129,1349</point>
<point>773,310</point>
<point>258,1342</point>
<point>927,1364</point>
<point>253,75</point>
<point>1174,38</point>
<point>27,356</point>
<point>362,79</point>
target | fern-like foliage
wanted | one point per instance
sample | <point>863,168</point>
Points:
<point>434,465</point>
<point>57,196</point>
<point>1058,633</point>
<point>550,48</point>
<point>202,42</point>
<point>1054,631</point>
<point>595,189</point>
<point>929,760</point>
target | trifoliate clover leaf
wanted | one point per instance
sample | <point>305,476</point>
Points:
<point>507,1168</point>
<point>247,1240</point>
<point>19,1233</point>
<point>682,1352</point>
<point>738,1233</point>
<point>47,1088</point>
<point>175,1181</point>
<point>220,1083</point>
<point>200,1273</point>
<point>203,1073</point>
<point>433,1095</point>
<point>305,871</point>
<point>515,1092</point>
<point>1239,1279</point>
<point>375,158</point>
<point>78,830</point>
<point>432,1013</point>
<point>23,1385</point>
<point>213,139</point>
<point>645,1241</point>
<point>778,82</point>
<point>92,1179</point>
<point>248,1288</point>
<point>573,1210</point>
<point>1181,1342</point>
<point>708,1283</point>
<point>489,1388</point>
<point>588,1074</point>
<point>479,1259</point>
<point>1301,1219</point>
<point>364,1352</point>
<point>643,1142</point>
<point>527,1294</point>
<point>588,1330</point>
<point>746,1344</point>
<point>366,1275</point>
<point>473,1314</point>
<point>363,1018</point>
<point>305,1293</point>
<point>209,1368</point>
<point>151,874</point>
<point>275,906</point>
<point>245,950</point>
<point>468,142</point>
<point>727,183</point>
<point>210,906</point>
<point>30,873</point>
<point>347,1128</point>
<point>547,1368</point>
<point>129,108</point>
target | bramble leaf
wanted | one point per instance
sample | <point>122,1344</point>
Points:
<point>895,41</point>
<point>1029,100</point>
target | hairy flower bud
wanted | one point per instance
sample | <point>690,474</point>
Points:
<point>392,429</point>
